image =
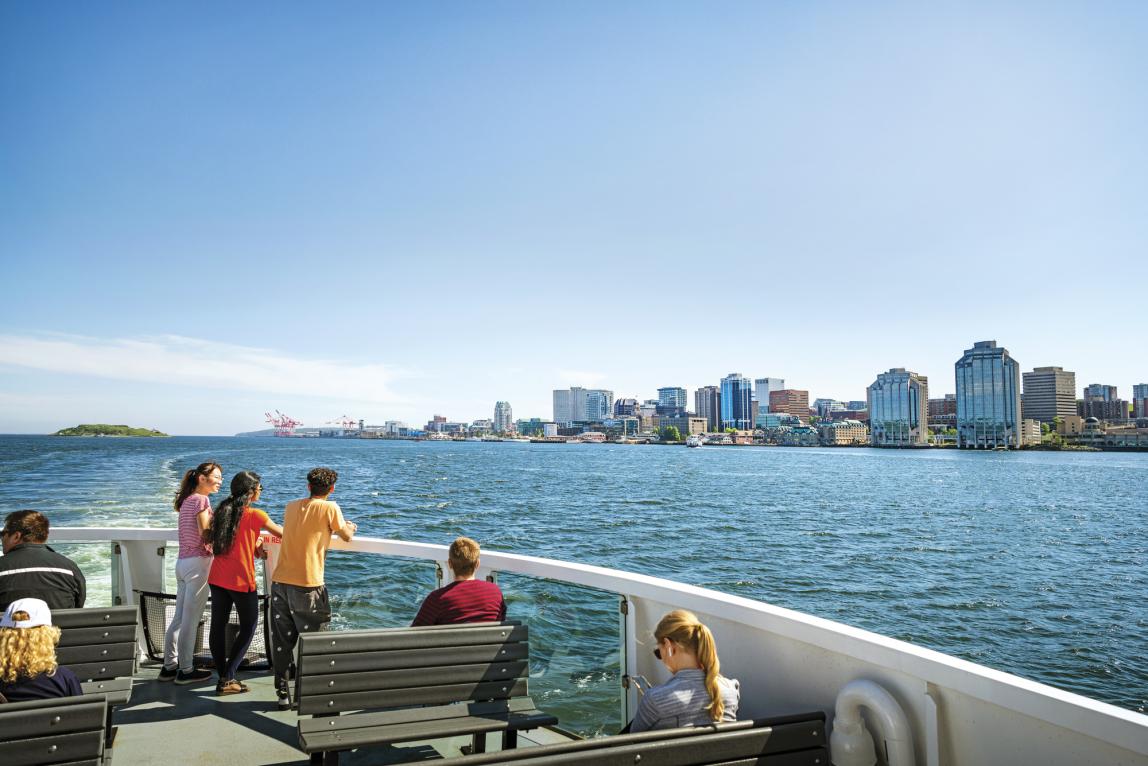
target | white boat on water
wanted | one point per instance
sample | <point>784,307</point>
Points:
<point>695,440</point>
<point>932,709</point>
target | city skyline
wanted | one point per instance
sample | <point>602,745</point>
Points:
<point>438,209</point>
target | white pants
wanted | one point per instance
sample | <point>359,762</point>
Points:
<point>190,598</point>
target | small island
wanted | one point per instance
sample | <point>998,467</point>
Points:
<point>103,429</point>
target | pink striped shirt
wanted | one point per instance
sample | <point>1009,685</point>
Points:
<point>190,540</point>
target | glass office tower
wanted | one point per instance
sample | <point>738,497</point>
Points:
<point>737,402</point>
<point>988,398</point>
<point>899,409</point>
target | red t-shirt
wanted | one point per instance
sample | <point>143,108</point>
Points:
<point>235,570</point>
<point>462,601</point>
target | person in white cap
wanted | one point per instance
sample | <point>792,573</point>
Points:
<point>28,667</point>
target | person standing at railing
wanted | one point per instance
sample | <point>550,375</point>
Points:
<point>299,602</point>
<point>28,667</point>
<point>235,529</point>
<point>467,599</point>
<point>191,571</point>
<point>697,694</point>
<point>30,569</point>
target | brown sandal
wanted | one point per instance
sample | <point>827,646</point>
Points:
<point>225,688</point>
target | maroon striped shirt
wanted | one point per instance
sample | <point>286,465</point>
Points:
<point>462,601</point>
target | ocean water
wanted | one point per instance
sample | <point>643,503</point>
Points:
<point>1033,563</point>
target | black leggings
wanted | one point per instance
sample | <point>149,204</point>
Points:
<point>247,607</point>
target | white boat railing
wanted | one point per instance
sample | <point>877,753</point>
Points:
<point>786,661</point>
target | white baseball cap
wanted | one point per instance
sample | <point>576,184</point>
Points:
<point>38,614</point>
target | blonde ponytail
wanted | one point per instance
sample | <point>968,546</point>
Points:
<point>684,629</point>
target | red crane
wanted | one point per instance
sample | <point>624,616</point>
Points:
<point>284,424</point>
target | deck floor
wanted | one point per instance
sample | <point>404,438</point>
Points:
<point>190,725</point>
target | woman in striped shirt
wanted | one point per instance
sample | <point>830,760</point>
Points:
<point>191,570</point>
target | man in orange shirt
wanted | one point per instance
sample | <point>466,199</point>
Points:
<point>299,600</point>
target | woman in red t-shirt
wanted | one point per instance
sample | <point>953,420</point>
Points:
<point>235,531</point>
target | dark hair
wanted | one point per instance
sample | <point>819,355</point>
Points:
<point>32,525</point>
<point>230,510</point>
<point>321,480</point>
<point>190,481</point>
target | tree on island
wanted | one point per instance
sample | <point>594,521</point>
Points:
<point>669,434</point>
<point>103,429</point>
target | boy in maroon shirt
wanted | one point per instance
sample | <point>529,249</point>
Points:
<point>466,599</point>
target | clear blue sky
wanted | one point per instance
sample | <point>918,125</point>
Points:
<point>209,210</point>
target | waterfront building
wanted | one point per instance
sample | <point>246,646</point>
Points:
<point>531,427</point>
<point>800,436</point>
<point>481,427</point>
<point>503,418</point>
<point>707,404</point>
<point>861,414</point>
<point>563,411</point>
<point>988,397</point>
<point>790,400</point>
<point>687,425</point>
<point>1102,402</point>
<point>943,411</point>
<point>396,428</point>
<point>626,425</point>
<point>736,402</point>
<point>599,405</point>
<point>1049,392</point>
<point>823,407</point>
<point>549,430</point>
<point>762,387</point>
<point>769,420</point>
<point>899,409</point>
<point>625,408</point>
<point>436,424</point>
<point>672,398</point>
<point>843,432</point>
<point>856,404</point>
<point>1030,432</point>
<point>1140,400</point>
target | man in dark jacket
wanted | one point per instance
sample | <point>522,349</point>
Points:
<point>30,569</point>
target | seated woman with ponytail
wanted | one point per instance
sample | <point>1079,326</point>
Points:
<point>697,694</point>
<point>235,531</point>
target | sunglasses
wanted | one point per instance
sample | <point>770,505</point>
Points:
<point>658,653</point>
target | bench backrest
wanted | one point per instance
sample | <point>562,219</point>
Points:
<point>397,667</point>
<point>780,741</point>
<point>64,730</point>
<point>97,643</point>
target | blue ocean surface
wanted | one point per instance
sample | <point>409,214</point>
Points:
<point>1028,562</point>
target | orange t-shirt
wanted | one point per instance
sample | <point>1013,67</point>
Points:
<point>307,528</point>
<point>235,570</point>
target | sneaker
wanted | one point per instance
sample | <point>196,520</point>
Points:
<point>193,677</point>
<point>166,675</point>
<point>283,695</point>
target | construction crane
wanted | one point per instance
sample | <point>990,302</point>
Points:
<point>344,422</point>
<point>284,425</point>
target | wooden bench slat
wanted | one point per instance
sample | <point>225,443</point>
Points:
<point>349,739</point>
<point>77,714</point>
<point>411,715</point>
<point>68,747</point>
<point>117,691</point>
<point>818,756</point>
<point>95,653</point>
<point>415,658</point>
<point>341,683</point>
<point>328,704</point>
<point>111,634</point>
<point>95,617</point>
<point>98,671</point>
<point>337,642</point>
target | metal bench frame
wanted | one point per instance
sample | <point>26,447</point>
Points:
<point>425,683</point>
<point>65,730</point>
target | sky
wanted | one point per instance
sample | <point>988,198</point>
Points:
<point>389,211</point>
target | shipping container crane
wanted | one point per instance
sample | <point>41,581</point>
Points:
<point>284,425</point>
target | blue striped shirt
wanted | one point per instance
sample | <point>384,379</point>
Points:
<point>682,701</point>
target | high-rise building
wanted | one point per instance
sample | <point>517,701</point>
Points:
<point>707,404</point>
<point>1049,392</point>
<point>988,398</point>
<point>599,405</point>
<point>563,412</point>
<point>1140,400</point>
<point>736,402</point>
<point>625,408</point>
<point>823,407</point>
<point>792,401</point>
<point>1102,402</point>
<point>762,387</point>
<point>672,397</point>
<point>503,418</point>
<point>899,409</point>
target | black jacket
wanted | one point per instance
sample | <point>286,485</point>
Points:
<point>33,570</point>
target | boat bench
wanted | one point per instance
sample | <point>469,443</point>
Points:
<point>421,683</point>
<point>797,740</point>
<point>99,646</point>
<point>65,730</point>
